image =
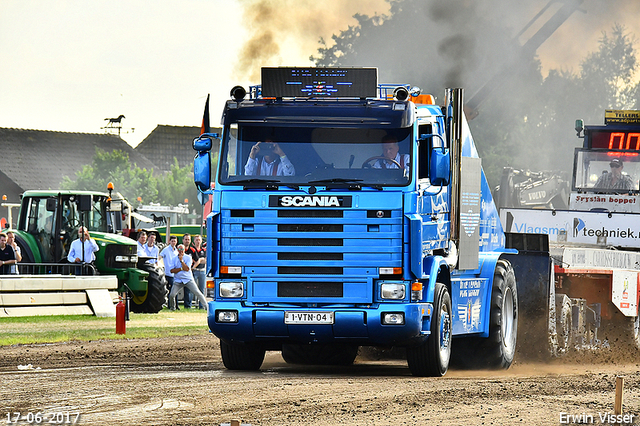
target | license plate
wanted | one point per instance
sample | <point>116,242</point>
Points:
<point>308,317</point>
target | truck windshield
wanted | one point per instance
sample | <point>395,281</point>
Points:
<point>607,171</point>
<point>316,156</point>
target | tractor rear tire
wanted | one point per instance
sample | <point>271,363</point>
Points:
<point>236,356</point>
<point>156,295</point>
<point>431,358</point>
<point>319,354</point>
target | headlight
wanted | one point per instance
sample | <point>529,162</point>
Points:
<point>394,291</point>
<point>227,316</point>
<point>393,318</point>
<point>231,289</point>
<point>122,258</point>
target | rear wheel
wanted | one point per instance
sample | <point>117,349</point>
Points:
<point>497,350</point>
<point>156,296</point>
<point>236,356</point>
<point>319,354</point>
<point>500,348</point>
<point>431,358</point>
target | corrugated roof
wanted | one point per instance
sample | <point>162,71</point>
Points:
<point>40,159</point>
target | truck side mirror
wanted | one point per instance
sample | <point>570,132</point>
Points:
<point>440,166</point>
<point>204,142</point>
<point>202,171</point>
<point>202,161</point>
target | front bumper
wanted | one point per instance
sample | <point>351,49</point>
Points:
<point>362,326</point>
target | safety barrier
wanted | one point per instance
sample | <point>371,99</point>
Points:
<point>30,295</point>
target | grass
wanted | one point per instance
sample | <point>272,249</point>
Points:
<point>64,328</point>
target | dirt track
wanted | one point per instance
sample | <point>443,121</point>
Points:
<point>181,381</point>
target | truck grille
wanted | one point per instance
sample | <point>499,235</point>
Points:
<point>331,254</point>
<point>306,289</point>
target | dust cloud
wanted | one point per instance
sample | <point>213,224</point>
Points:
<point>296,24</point>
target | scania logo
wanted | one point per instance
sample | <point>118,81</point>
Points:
<point>309,201</point>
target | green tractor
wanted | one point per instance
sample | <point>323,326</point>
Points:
<point>49,221</point>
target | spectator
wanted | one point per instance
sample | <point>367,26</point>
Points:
<point>186,241</point>
<point>7,255</point>
<point>142,241</point>
<point>167,254</point>
<point>83,250</point>
<point>11,241</point>
<point>183,278</point>
<point>199,266</point>
<point>152,248</point>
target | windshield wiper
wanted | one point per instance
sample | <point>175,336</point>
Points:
<point>335,180</point>
<point>257,183</point>
<point>254,180</point>
<point>351,184</point>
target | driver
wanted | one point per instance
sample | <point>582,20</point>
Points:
<point>391,153</point>
<point>616,179</point>
<point>274,162</point>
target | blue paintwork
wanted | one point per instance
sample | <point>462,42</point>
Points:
<point>418,225</point>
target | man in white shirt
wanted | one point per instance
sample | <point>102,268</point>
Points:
<point>392,157</point>
<point>11,241</point>
<point>151,248</point>
<point>183,277</point>
<point>274,161</point>
<point>82,250</point>
<point>167,255</point>
<point>142,242</point>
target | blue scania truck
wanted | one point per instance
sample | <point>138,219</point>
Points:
<point>370,223</point>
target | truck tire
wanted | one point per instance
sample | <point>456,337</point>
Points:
<point>500,347</point>
<point>156,296</point>
<point>498,350</point>
<point>319,354</point>
<point>237,356</point>
<point>431,358</point>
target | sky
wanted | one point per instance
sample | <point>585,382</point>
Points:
<point>67,65</point>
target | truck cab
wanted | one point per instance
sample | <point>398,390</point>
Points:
<point>347,214</point>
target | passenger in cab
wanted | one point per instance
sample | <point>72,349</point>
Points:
<point>268,159</point>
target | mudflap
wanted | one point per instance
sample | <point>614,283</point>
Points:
<point>537,337</point>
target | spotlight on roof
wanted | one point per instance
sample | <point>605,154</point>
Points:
<point>401,93</point>
<point>238,93</point>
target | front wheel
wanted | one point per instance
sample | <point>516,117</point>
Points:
<point>236,356</point>
<point>431,358</point>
